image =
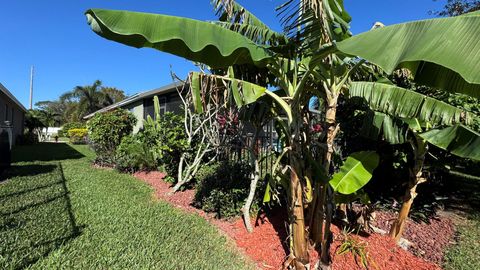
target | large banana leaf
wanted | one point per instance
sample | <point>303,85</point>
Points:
<point>355,172</point>
<point>458,140</point>
<point>393,130</point>
<point>191,39</point>
<point>243,92</point>
<point>260,35</point>
<point>402,103</point>
<point>443,53</point>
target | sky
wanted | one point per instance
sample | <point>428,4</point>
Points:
<point>53,36</point>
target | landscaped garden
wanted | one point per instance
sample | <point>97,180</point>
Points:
<point>58,212</point>
<point>309,148</point>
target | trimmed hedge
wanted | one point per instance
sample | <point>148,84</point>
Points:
<point>78,135</point>
<point>106,131</point>
<point>72,125</point>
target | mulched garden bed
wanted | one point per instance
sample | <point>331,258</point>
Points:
<point>429,240</point>
<point>267,245</point>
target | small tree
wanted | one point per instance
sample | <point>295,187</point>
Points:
<point>105,132</point>
<point>202,132</point>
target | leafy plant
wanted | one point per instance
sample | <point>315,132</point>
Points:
<point>78,135</point>
<point>165,136</point>
<point>71,125</point>
<point>106,131</point>
<point>356,248</point>
<point>222,188</point>
<point>133,154</point>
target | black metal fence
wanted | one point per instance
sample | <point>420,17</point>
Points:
<point>265,146</point>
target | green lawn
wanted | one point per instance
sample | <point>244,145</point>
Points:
<point>58,212</point>
<point>465,254</point>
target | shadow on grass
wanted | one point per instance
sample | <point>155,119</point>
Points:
<point>35,221</point>
<point>26,170</point>
<point>463,195</point>
<point>44,152</point>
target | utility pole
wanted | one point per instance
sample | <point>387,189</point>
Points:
<point>31,87</point>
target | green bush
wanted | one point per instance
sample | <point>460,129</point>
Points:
<point>222,188</point>
<point>78,135</point>
<point>166,138</point>
<point>133,155</point>
<point>67,126</point>
<point>105,132</point>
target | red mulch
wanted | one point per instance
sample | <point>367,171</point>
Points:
<point>268,246</point>
<point>428,240</point>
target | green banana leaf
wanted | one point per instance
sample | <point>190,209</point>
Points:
<point>443,53</point>
<point>194,40</point>
<point>402,103</point>
<point>355,172</point>
<point>458,140</point>
<point>393,130</point>
<point>243,92</point>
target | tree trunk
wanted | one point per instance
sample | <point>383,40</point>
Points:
<point>419,150</point>
<point>299,239</point>
<point>251,195</point>
<point>321,233</point>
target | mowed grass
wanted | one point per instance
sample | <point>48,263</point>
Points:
<point>57,212</point>
<point>465,253</point>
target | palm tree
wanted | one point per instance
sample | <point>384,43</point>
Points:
<point>90,98</point>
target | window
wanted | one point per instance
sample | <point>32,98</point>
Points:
<point>163,105</point>
<point>149,108</point>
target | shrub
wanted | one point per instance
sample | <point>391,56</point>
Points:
<point>132,155</point>
<point>105,132</point>
<point>27,138</point>
<point>78,135</point>
<point>166,138</point>
<point>67,126</point>
<point>222,188</point>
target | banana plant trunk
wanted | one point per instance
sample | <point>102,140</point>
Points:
<point>323,211</point>
<point>299,243</point>
<point>420,148</point>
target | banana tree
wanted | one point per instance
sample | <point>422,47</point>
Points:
<point>405,116</point>
<point>315,56</point>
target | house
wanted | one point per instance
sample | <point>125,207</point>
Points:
<point>12,115</point>
<point>141,104</point>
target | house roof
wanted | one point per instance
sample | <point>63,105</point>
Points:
<point>139,96</point>
<point>4,90</point>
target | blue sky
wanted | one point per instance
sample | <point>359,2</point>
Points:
<point>53,36</point>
